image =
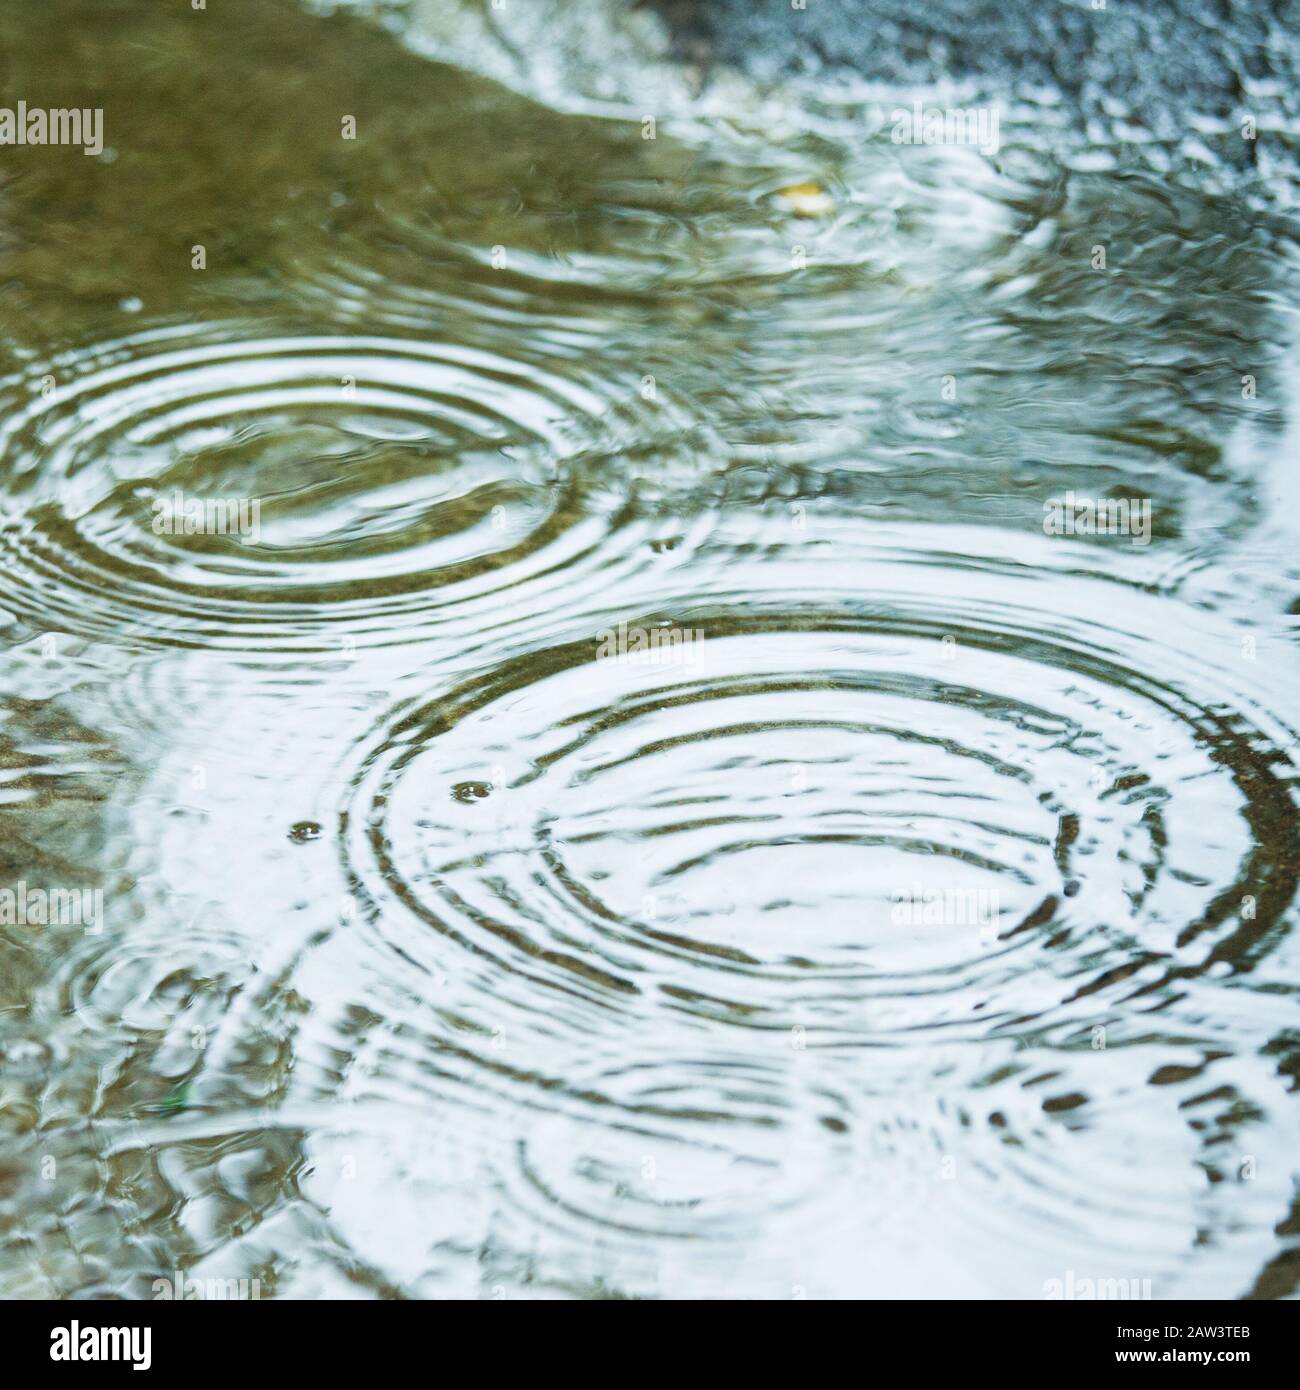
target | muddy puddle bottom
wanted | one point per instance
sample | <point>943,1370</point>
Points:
<point>594,715</point>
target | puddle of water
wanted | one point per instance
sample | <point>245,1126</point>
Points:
<point>649,715</point>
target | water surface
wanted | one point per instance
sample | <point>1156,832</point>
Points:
<point>919,922</point>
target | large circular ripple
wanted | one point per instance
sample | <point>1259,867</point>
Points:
<point>842,826</point>
<point>378,487</point>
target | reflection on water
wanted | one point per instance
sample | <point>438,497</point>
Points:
<point>600,781</point>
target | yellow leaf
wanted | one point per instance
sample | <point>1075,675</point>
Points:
<point>806,200</point>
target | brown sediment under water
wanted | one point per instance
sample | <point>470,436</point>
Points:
<point>559,735</point>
